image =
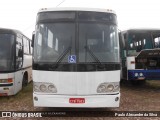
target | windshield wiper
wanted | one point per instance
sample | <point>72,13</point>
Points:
<point>92,55</point>
<point>61,57</point>
<point>101,66</point>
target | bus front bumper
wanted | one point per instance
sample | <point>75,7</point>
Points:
<point>92,101</point>
<point>144,74</point>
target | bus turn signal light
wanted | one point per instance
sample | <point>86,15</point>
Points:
<point>10,80</point>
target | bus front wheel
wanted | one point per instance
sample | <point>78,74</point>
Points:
<point>25,81</point>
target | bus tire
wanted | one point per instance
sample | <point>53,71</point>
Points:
<point>25,81</point>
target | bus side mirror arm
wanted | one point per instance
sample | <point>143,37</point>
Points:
<point>33,36</point>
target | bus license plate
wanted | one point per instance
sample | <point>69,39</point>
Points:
<point>77,100</point>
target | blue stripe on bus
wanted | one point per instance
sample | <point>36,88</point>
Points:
<point>148,74</point>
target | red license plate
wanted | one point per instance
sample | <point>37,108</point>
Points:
<point>77,100</point>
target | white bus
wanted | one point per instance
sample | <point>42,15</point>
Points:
<point>15,61</point>
<point>76,58</point>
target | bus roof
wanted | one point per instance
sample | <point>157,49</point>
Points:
<point>76,9</point>
<point>7,30</point>
<point>12,31</point>
<point>142,30</point>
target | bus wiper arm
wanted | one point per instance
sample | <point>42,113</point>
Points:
<point>61,57</point>
<point>92,55</point>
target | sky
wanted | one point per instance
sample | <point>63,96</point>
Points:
<point>21,14</point>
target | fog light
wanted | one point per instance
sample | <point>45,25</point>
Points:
<point>116,99</point>
<point>35,98</point>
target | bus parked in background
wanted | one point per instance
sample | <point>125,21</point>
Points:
<point>15,61</point>
<point>76,58</point>
<point>140,54</point>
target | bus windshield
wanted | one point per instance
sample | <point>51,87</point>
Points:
<point>101,39</point>
<point>6,52</point>
<point>138,42</point>
<point>52,39</point>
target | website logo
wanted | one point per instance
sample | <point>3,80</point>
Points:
<point>6,114</point>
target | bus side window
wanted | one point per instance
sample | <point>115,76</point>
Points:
<point>26,45</point>
<point>19,50</point>
<point>30,47</point>
<point>157,42</point>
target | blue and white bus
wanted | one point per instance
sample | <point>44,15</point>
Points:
<point>76,59</point>
<point>15,61</point>
<point>140,54</point>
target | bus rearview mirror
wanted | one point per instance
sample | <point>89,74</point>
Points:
<point>33,36</point>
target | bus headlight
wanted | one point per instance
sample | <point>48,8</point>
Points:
<point>141,74</point>
<point>52,88</point>
<point>116,88</point>
<point>136,74</point>
<point>9,80</point>
<point>36,88</point>
<point>44,87</point>
<point>101,88</point>
<point>108,87</point>
<point>3,81</point>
